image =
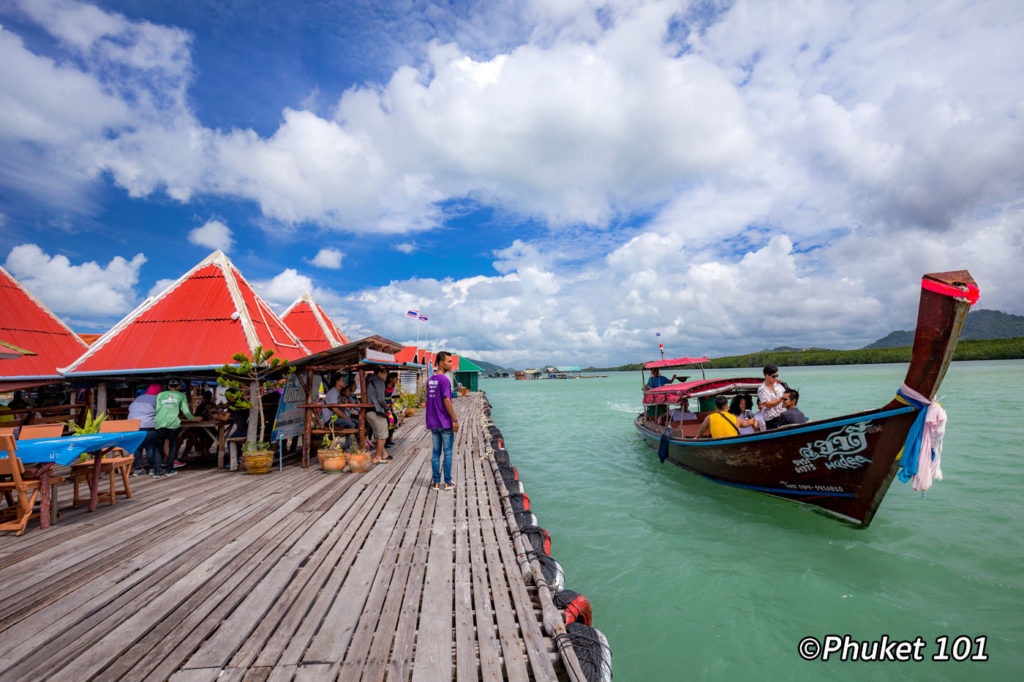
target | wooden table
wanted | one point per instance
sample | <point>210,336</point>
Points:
<point>45,452</point>
<point>216,431</point>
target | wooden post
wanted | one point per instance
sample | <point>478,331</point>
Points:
<point>307,419</point>
<point>362,410</point>
<point>101,399</point>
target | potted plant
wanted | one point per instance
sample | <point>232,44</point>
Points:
<point>247,375</point>
<point>257,457</point>
<point>408,401</point>
<point>332,455</point>
<point>358,461</point>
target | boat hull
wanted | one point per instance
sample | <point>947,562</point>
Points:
<point>842,466</point>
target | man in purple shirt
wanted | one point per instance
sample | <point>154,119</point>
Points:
<point>441,420</point>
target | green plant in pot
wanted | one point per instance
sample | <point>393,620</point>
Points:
<point>243,381</point>
<point>332,455</point>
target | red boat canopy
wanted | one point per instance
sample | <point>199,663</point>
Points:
<point>674,362</point>
<point>310,323</point>
<point>674,393</point>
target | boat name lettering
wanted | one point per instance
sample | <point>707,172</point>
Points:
<point>840,449</point>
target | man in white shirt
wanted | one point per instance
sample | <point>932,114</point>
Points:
<point>771,393</point>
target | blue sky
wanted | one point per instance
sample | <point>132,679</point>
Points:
<point>550,181</point>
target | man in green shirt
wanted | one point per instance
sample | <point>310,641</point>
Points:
<point>170,404</point>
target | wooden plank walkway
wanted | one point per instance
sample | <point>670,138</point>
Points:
<point>294,575</point>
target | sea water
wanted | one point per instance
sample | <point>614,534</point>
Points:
<point>691,579</point>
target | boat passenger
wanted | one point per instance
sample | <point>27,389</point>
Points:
<point>771,393</point>
<point>792,415</point>
<point>657,380</point>
<point>720,423</point>
<point>759,417</point>
<point>740,408</point>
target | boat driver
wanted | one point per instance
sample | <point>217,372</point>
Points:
<point>657,380</point>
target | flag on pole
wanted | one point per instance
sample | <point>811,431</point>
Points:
<point>424,318</point>
<point>413,313</point>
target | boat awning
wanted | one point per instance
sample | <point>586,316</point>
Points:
<point>674,362</point>
<point>674,393</point>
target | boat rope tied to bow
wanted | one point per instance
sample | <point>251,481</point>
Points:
<point>925,436</point>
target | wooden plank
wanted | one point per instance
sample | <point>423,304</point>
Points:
<point>377,657</point>
<point>467,666</point>
<point>508,635</point>
<point>340,620</point>
<point>535,642</point>
<point>118,635</point>
<point>139,573</point>
<point>386,572</point>
<point>486,629</point>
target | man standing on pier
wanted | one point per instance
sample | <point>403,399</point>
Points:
<point>441,420</point>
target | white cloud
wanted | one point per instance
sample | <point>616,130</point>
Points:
<point>283,288</point>
<point>816,155</point>
<point>84,290</point>
<point>159,286</point>
<point>213,235</point>
<point>328,258</point>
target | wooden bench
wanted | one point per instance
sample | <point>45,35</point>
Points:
<point>114,462</point>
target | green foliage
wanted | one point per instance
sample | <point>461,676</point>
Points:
<point>90,425</point>
<point>257,446</point>
<point>967,349</point>
<point>407,400</point>
<point>246,376</point>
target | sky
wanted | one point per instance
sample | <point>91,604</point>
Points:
<point>549,181</point>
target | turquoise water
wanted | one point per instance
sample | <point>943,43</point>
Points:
<point>693,579</point>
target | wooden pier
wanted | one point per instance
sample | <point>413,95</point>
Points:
<point>293,575</point>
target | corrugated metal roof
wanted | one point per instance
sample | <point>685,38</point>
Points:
<point>311,324</point>
<point>201,320</point>
<point>26,322</point>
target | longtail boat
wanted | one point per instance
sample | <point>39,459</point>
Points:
<point>843,465</point>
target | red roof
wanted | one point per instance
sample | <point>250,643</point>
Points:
<point>26,322</point>
<point>311,324</point>
<point>674,362</point>
<point>674,393</point>
<point>199,322</point>
<point>408,355</point>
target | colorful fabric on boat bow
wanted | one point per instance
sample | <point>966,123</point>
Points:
<point>925,436</point>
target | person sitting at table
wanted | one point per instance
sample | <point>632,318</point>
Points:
<point>170,405</point>
<point>7,416</point>
<point>198,439</point>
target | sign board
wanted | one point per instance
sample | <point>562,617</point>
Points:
<point>290,417</point>
<point>377,356</point>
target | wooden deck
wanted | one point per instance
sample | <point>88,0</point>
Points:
<point>294,575</point>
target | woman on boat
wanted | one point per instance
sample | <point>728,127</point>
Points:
<point>740,408</point>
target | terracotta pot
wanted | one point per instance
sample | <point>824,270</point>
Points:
<point>409,412</point>
<point>258,462</point>
<point>320,458</point>
<point>333,461</point>
<point>359,462</point>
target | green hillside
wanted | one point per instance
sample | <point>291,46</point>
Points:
<point>981,324</point>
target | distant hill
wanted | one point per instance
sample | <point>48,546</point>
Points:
<point>981,324</point>
<point>487,367</point>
